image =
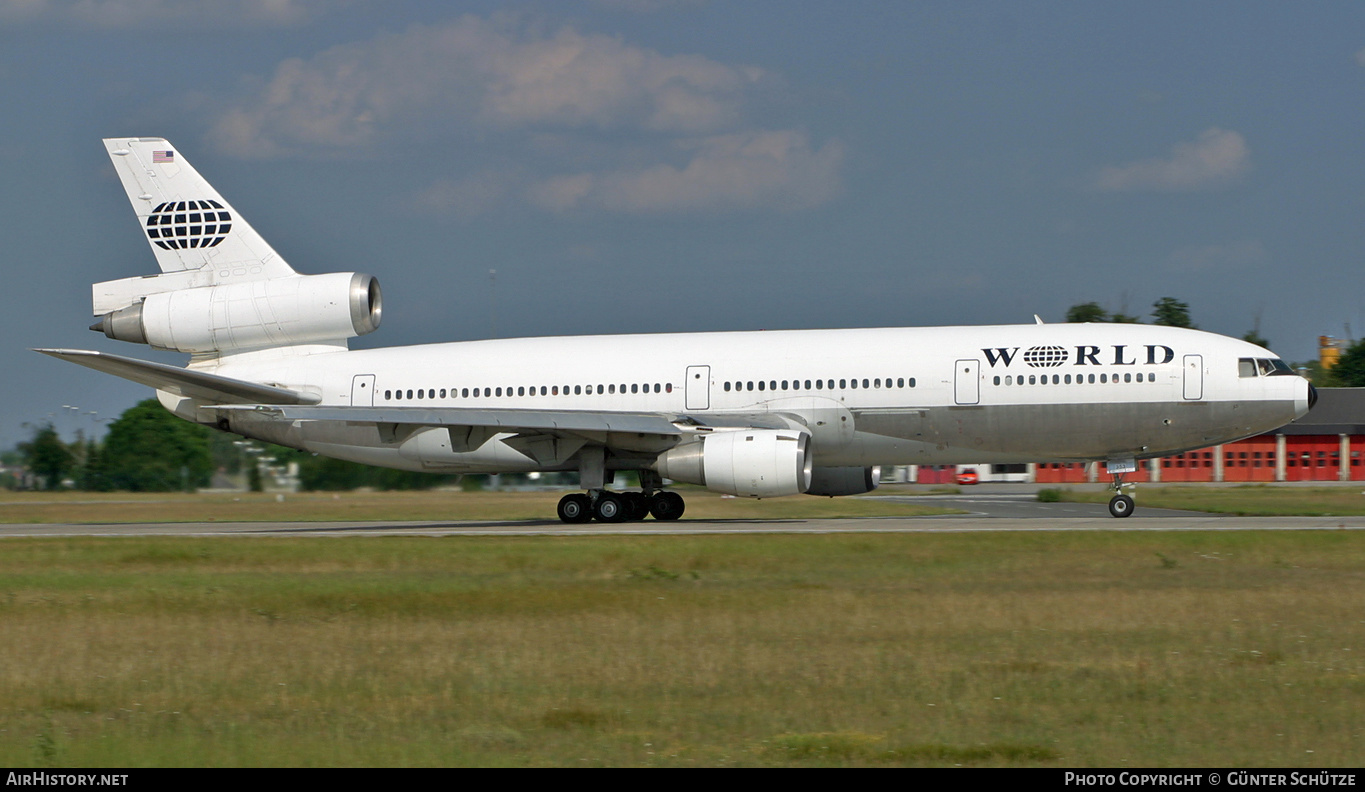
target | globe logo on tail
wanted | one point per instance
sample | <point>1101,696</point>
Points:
<point>176,225</point>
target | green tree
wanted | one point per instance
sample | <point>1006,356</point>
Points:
<point>1253,337</point>
<point>1086,312</point>
<point>1171,312</point>
<point>1349,371</point>
<point>48,457</point>
<point>150,450</point>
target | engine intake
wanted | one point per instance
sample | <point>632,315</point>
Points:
<point>297,309</point>
<point>758,463</point>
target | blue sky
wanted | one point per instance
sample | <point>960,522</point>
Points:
<point>632,166</point>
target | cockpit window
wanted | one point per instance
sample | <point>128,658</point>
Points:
<point>1262,367</point>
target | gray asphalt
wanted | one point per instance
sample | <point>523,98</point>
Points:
<point>985,512</point>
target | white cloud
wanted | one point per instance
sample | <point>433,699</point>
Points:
<point>487,73</point>
<point>768,169</point>
<point>591,122</point>
<point>1215,159</point>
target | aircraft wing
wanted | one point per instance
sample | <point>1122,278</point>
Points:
<point>182,382</point>
<point>514,420</point>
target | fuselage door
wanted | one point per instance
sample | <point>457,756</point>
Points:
<point>1194,377</point>
<point>967,382</point>
<point>698,387</point>
<point>362,390</point>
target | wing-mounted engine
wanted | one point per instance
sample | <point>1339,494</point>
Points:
<point>835,481</point>
<point>758,463</point>
<point>254,314</point>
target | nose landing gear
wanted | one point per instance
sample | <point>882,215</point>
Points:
<point>1121,505</point>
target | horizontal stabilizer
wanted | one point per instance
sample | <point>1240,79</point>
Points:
<point>183,382</point>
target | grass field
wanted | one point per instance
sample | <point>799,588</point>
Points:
<point>1042,649</point>
<point>124,507</point>
<point>1248,499</point>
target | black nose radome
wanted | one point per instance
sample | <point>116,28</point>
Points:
<point>1312,395</point>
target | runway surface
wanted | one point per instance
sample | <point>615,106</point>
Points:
<point>985,513</point>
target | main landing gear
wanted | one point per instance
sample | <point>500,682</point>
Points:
<point>616,507</point>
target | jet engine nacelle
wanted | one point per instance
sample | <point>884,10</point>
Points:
<point>833,481</point>
<point>296,309</point>
<point>758,463</point>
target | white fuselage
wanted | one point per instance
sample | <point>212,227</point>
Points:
<point>1012,393</point>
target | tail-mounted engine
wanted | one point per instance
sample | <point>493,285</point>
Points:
<point>284,311</point>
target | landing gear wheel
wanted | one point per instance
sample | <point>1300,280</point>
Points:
<point>637,506</point>
<point>666,505</point>
<point>1120,505</point>
<point>575,508</point>
<point>609,508</point>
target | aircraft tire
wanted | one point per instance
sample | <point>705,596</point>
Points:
<point>1121,506</point>
<point>666,506</point>
<point>610,508</point>
<point>574,508</point>
<point>637,506</point>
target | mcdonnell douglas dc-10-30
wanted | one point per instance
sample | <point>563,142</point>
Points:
<point>757,414</point>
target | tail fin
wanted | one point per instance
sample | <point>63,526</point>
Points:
<point>187,223</point>
<point>222,289</point>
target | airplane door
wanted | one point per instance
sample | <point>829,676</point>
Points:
<point>967,382</point>
<point>698,388</point>
<point>362,390</point>
<point>1194,377</point>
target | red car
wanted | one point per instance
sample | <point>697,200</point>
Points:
<point>968,477</point>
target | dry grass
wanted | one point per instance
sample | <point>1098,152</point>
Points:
<point>124,507</point>
<point>1041,649</point>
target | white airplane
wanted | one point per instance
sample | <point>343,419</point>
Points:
<point>758,414</point>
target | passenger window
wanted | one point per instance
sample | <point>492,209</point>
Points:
<point>912,382</point>
<point>388,394</point>
<point>760,384</point>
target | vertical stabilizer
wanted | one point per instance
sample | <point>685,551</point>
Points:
<point>185,221</point>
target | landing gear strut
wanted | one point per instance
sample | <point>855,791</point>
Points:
<point>1121,505</point>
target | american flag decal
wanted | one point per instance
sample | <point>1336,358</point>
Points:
<point>163,156</point>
